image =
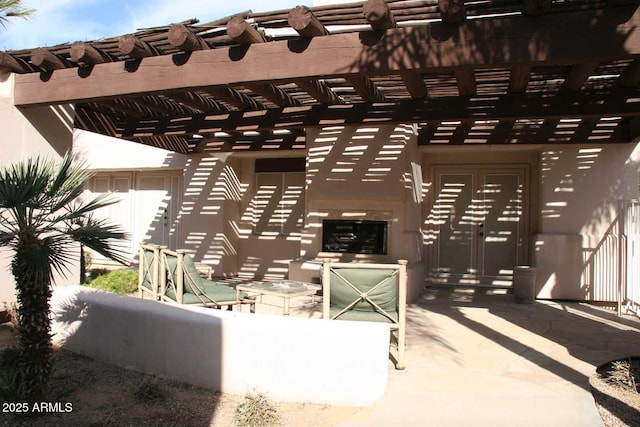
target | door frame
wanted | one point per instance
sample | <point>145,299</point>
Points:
<point>478,170</point>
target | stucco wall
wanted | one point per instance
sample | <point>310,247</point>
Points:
<point>209,192</point>
<point>45,131</point>
<point>291,359</point>
<point>369,173</point>
<point>573,202</point>
<point>580,186</point>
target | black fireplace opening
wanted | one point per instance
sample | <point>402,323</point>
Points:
<point>354,236</point>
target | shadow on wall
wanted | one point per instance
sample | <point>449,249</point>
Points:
<point>363,173</point>
<point>209,186</point>
<point>54,123</point>
<point>143,335</point>
<point>581,187</point>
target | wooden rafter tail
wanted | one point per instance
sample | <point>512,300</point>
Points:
<point>10,64</point>
<point>535,7</point>
<point>235,98</point>
<point>465,76</point>
<point>45,59</point>
<point>578,75</point>
<point>519,78</point>
<point>365,87</point>
<point>452,11</point>
<point>88,54</point>
<point>274,94</point>
<point>319,90</point>
<point>302,19</point>
<point>181,37</point>
<point>134,47</point>
<point>159,105</point>
<point>198,102</point>
<point>378,14</point>
<point>242,32</point>
<point>415,85</point>
<point>630,77</point>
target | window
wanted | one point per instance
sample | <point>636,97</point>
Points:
<point>279,196</point>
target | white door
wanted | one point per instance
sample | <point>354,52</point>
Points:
<point>479,226</point>
<point>147,209</point>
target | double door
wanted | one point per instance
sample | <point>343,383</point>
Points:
<point>479,224</point>
<point>147,206</point>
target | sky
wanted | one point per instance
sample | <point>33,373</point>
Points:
<point>67,21</point>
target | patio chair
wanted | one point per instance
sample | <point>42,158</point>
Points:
<point>368,292</point>
<point>148,271</point>
<point>181,282</point>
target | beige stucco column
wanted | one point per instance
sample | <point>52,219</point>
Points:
<point>46,131</point>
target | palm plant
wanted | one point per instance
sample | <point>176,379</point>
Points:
<point>43,214</point>
<point>13,9</point>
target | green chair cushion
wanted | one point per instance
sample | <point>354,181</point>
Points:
<point>367,316</point>
<point>191,276</point>
<point>219,292</point>
<point>384,295</point>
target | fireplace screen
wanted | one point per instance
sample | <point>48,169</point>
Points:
<point>354,236</point>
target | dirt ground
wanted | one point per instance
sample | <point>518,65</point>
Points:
<point>90,393</point>
<point>618,406</point>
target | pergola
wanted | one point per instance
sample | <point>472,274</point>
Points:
<point>467,72</point>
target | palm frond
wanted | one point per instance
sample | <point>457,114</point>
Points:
<point>102,237</point>
<point>24,183</point>
<point>13,9</point>
<point>69,182</point>
<point>77,212</point>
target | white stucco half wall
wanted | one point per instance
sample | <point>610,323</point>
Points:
<point>291,359</point>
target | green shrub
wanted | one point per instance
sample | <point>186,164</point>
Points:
<point>256,410</point>
<point>123,282</point>
<point>94,273</point>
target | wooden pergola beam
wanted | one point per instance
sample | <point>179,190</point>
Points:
<point>415,84</point>
<point>452,11</point>
<point>274,94</point>
<point>243,32</point>
<point>535,7</point>
<point>47,60</point>
<point>196,101</point>
<point>182,38</point>
<point>466,79</point>
<point>559,39</point>
<point>302,19</point>
<point>134,47</point>
<point>87,54</point>
<point>578,75</point>
<point>519,78</point>
<point>10,64</point>
<point>157,104</point>
<point>506,107</point>
<point>235,98</point>
<point>630,77</point>
<point>378,14</point>
<point>319,90</point>
<point>365,87</point>
<point>122,106</point>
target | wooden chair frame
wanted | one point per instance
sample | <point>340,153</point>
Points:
<point>149,271</point>
<point>176,280</point>
<point>398,326</point>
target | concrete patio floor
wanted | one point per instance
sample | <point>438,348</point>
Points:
<point>476,358</point>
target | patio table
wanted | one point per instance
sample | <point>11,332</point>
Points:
<point>286,289</point>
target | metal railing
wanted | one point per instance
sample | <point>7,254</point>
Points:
<point>629,257</point>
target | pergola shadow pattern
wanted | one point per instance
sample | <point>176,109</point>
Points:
<point>496,72</point>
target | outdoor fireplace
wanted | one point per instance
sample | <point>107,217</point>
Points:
<point>354,236</point>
